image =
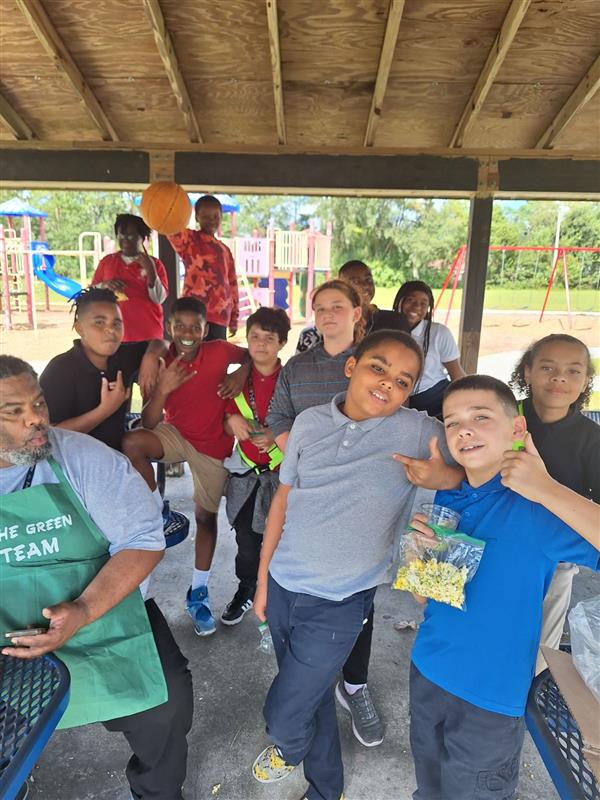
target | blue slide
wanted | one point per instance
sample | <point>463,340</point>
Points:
<point>43,269</point>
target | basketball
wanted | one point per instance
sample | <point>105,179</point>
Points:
<point>165,207</point>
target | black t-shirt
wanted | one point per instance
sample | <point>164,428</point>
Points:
<point>71,385</point>
<point>570,449</point>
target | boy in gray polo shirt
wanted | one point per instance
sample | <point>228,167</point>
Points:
<point>329,543</point>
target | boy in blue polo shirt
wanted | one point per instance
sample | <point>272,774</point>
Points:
<point>471,670</point>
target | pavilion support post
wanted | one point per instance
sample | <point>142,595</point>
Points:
<point>169,258</point>
<point>478,242</point>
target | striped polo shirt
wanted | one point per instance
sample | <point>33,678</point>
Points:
<point>308,379</point>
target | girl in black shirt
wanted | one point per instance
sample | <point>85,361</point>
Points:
<point>556,374</point>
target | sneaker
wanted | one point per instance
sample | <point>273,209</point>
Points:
<point>196,604</point>
<point>234,613</point>
<point>305,797</point>
<point>366,724</point>
<point>270,767</point>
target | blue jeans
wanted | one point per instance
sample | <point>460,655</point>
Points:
<point>312,638</point>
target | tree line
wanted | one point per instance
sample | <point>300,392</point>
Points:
<point>400,238</point>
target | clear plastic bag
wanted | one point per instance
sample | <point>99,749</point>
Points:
<point>584,622</point>
<point>438,567</point>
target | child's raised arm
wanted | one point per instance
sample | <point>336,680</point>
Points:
<point>525,473</point>
<point>271,538</point>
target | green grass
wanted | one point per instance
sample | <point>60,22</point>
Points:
<point>594,404</point>
<point>596,363</point>
<point>511,299</point>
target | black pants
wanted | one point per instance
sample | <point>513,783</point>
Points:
<point>215,332</point>
<point>158,736</point>
<point>248,543</point>
<point>461,751</point>
<point>356,668</point>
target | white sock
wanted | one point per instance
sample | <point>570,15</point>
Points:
<point>352,688</point>
<point>158,498</point>
<point>200,578</point>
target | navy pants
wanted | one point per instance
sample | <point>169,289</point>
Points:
<point>312,638</point>
<point>461,751</point>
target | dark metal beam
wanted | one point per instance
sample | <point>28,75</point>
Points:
<point>471,314</point>
<point>558,176</point>
<point>74,166</point>
<point>409,173</point>
<point>369,173</point>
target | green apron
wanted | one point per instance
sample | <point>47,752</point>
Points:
<point>50,550</point>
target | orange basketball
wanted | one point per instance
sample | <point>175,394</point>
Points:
<point>165,207</point>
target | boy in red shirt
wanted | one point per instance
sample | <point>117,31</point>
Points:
<point>192,430</point>
<point>209,269</point>
<point>138,280</point>
<point>254,464</point>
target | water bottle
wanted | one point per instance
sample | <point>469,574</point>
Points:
<point>266,640</point>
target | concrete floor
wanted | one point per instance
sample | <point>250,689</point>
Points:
<point>230,681</point>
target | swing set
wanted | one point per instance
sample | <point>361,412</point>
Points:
<point>559,256</point>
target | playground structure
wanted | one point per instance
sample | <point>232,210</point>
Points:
<point>23,259</point>
<point>272,268</point>
<point>559,256</point>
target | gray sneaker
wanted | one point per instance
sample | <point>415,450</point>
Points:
<point>366,724</point>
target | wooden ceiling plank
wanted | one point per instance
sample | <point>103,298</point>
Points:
<point>49,38</point>
<point>502,42</point>
<point>12,120</point>
<point>273,31</point>
<point>166,49</point>
<point>392,27</point>
<point>585,90</point>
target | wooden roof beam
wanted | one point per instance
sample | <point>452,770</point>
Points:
<point>40,23</point>
<point>12,120</point>
<point>164,43</point>
<point>390,37</point>
<point>273,30</point>
<point>585,90</point>
<point>502,42</point>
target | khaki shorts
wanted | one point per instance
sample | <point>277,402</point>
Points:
<point>209,474</point>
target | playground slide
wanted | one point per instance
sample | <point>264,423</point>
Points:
<point>43,269</point>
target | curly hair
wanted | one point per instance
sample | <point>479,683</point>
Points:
<point>352,295</point>
<point>517,379</point>
<point>93,294</point>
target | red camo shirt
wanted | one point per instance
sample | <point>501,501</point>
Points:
<point>264,388</point>
<point>142,317</point>
<point>195,409</point>
<point>209,275</point>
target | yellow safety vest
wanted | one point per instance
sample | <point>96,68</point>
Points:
<point>275,454</point>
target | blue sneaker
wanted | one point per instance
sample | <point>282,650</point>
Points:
<point>196,604</point>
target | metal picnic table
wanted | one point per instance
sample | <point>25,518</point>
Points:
<point>558,740</point>
<point>33,697</point>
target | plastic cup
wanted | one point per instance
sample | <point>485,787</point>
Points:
<point>441,516</point>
